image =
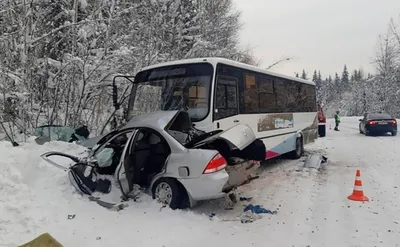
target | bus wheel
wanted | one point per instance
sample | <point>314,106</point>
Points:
<point>299,151</point>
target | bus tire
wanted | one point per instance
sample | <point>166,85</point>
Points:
<point>299,151</point>
<point>322,130</point>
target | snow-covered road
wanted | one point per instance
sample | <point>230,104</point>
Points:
<point>313,209</point>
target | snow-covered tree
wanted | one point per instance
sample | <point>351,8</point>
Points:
<point>58,57</point>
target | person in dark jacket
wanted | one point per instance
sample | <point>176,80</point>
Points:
<point>337,121</point>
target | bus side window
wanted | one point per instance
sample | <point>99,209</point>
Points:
<point>281,96</point>
<point>251,101</point>
<point>226,97</point>
<point>266,94</point>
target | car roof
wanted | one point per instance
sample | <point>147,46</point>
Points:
<point>157,120</point>
<point>379,116</point>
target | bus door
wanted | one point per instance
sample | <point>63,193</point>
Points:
<point>226,103</point>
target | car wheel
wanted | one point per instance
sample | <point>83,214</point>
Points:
<point>169,192</point>
<point>299,151</point>
<point>394,133</point>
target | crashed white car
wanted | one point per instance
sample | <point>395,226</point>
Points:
<point>164,153</point>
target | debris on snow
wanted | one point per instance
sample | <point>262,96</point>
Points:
<point>108,205</point>
<point>315,161</point>
<point>245,199</point>
<point>249,217</point>
<point>257,209</point>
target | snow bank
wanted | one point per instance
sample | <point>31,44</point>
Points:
<point>28,187</point>
<point>36,197</point>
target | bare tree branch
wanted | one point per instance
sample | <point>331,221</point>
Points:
<point>279,61</point>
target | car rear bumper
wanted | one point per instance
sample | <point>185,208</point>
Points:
<point>240,174</point>
<point>381,129</point>
<point>216,185</point>
<point>207,186</point>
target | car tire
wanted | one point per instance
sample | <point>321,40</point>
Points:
<point>171,192</point>
<point>394,133</point>
<point>299,151</point>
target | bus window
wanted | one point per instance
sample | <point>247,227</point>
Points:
<point>226,97</point>
<point>266,94</point>
<point>251,94</point>
<point>175,87</point>
<point>197,96</point>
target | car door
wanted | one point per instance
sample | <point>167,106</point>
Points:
<point>124,171</point>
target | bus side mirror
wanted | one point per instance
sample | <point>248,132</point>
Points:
<point>115,96</point>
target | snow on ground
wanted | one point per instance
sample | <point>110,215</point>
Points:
<point>312,205</point>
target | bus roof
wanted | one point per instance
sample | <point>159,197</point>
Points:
<point>215,60</point>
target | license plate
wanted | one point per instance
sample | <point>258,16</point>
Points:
<point>382,122</point>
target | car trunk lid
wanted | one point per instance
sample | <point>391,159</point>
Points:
<point>237,141</point>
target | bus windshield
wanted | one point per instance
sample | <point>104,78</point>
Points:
<point>184,86</point>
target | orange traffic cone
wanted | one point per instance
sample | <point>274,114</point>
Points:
<point>358,194</point>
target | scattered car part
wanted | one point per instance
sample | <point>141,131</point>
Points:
<point>315,161</point>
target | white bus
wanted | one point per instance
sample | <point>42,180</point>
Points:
<point>220,93</point>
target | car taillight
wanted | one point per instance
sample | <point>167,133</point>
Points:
<point>216,164</point>
<point>371,122</point>
<point>394,122</point>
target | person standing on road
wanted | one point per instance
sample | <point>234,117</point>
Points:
<point>337,121</point>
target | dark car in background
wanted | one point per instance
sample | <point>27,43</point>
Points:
<point>378,124</point>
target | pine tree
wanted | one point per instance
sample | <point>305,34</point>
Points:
<point>296,74</point>
<point>345,77</point>
<point>315,77</point>
<point>337,87</point>
<point>360,75</point>
<point>304,75</point>
<point>337,79</point>
<point>330,79</point>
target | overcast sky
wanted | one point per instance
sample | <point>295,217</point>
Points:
<point>319,34</point>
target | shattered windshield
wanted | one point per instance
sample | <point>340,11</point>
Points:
<point>177,87</point>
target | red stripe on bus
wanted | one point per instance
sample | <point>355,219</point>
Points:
<point>271,154</point>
